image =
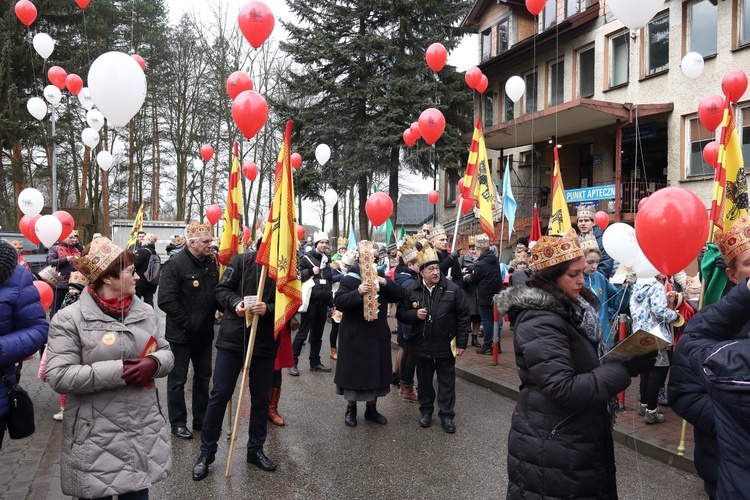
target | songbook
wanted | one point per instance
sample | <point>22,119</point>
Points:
<point>637,344</point>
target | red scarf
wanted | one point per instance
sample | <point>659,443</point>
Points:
<point>113,306</point>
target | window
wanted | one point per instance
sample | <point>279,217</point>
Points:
<point>743,127</point>
<point>619,52</point>
<point>486,44</point>
<point>549,16</point>
<point>503,35</point>
<point>702,26</point>
<point>573,7</point>
<point>504,163</point>
<point>450,187</point>
<point>586,72</point>
<point>531,92</point>
<point>488,110</point>
<point>510,109</point>
<point>657,38</point>
<point>557,82</point>
<point>698,137</point>
<point>744,20</point>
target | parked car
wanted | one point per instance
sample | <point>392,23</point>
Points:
<point>35,255</point>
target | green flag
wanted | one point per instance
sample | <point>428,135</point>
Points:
<point>714,278</point>
<point>388,232</point>
<point>402,233</point>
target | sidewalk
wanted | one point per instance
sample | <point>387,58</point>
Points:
<point>658,441</point>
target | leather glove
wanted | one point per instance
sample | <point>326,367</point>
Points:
<point>455,254</point>
<point>640,364</point>
<point>139,371</point>
<point>720,262</point>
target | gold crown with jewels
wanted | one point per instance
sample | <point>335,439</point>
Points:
<point>102,252</point>
<point>736,240</point>
<point>553,250</point>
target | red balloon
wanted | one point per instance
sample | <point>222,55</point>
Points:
<point>466,206</point>
<point>207,152</point>
<point>436,56</point>
<point>734,84</point>
<point>711,112</point>
<point>672,228</point>
<point>535,6</point>
<point>256,22</point>
<point>483,83</point>
<point>83,3</point>
<point>461,189</point>
<point>433,196</point>
<point>250,112</point>
<point>74,83</point>
<point>296,160</point>
<point>250,170</point>
<point>601,219</point>
<point>68,224</point>
<point>409,138</point>
<point>141,62</point>
<point>431,125</point>
<point>239,81</point>
<point>246,234</point>
<point>642,202</point>
<point>57,76</point>
<point>473,76</point>
<point>45,293</point>
<point>379,208</point>
<point>213,214</point>
<point>711,154</point>
<point>415,130</point>
<point>300,232</point>
<point>26,225</point>
<point>25,11</point>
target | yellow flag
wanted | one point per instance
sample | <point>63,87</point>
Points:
<point>559,221</point>
<point>730,197</point>
<point>231,235</point>
<point>137,226</point>
<point>478,181</point>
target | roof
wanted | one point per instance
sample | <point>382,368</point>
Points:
<point>414,209</point>
<point>475,14</point>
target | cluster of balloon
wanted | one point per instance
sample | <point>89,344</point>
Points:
<point>331,197</point>
<point>45,293</point>
<point>250,112</point>
<point>431,125</point>
<point>433,196</point>
<point>436,57</point>
<point>635,14</point>
<point>250,170</point>
<point>207,152</point>
<point>412,134</point>
<point>692,65</point>
<point>378,208</point>
<point>300,232</point>
<point>256,22</point>
<point>711,110</point>
<point>515,88</point>
<point>118,87</point>
<point>296,160</point>
<point>476,80</point>
<point>238,82</point>
<point>213,214</point>
<point>601,219</point>
<point>25,11</point>
<point>322,154</point>
<point>43,44</point>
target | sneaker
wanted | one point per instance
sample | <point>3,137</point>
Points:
<point>293,371</point>
<point>58,416</point>
<point>484,350</point>
<point>653,416</point>
<point>662,399</point>
<point>642,409</point>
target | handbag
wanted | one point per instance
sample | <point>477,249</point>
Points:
<point>20,417</point>
<point>307,288</point>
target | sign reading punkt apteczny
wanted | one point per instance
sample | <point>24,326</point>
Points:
<point>590,194</point>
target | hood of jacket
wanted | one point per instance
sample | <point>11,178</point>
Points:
<point>513,300</point>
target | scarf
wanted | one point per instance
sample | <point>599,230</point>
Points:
<point>113,307</point>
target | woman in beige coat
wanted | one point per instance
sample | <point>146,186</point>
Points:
<point>103,352</point>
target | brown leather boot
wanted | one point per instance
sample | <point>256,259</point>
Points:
<point>408,393</point>
<point>273,415</point>
<point>334,353</point>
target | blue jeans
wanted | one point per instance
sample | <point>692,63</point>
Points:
<point>488,324</point>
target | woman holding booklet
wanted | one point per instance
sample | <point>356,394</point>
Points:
<point>560,443</point>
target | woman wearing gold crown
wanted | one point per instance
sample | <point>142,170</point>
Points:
<point>560,443</point>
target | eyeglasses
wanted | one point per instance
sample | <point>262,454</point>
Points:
<point>131,272</point>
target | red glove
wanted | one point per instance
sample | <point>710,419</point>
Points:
<point>139,371</point>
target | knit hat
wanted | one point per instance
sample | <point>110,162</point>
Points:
<point>102,253</point>
<point>320,236</point>
<point>553,250</point>
<point>736,240</point>
<point>8,261</point>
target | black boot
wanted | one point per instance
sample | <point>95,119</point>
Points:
<point>371,414</point>
<point>350,417</point>
<point>475,342</point>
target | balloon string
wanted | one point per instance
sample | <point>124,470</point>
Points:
<point>132,27</point>
<point>86,36</point>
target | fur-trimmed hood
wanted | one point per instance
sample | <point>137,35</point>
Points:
<point>513,300</point>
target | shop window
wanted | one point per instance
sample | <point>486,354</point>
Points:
<point>531,92</point>
<point>657,38</point>
<point>586,72</point>
<point>619,63</point>
<point>557,82</point>
<point>698,137</point>
<point>702,27</point>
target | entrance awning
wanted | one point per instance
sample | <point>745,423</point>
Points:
<point>569,118</point>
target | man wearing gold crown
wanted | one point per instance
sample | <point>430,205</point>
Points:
<point>709,385</point>
<point>590,236</point>
<point>437,310</point>
<point>186,294</point>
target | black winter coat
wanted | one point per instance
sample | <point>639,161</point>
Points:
<point>448,317</point>
<point>486,276</point>
<point>448,263</point>
<point>560,442</point>
<point>322,293</point>
<point>241,278</point>
<point>142,256</point>
<point>364,347</point>
<point>404,279</point>
<point>187,295</point>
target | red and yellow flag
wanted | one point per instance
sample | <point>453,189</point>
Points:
<point>559,221</point>
<point>278,249</point>
<point>137,226</point>
<point>478,181</point>
<point>730,197</point>
<point>231,235</point>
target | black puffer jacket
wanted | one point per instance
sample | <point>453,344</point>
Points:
<point>187,295</point>
<point>142,257</point>
<point>486,276</point>
<point>448,317</point>
<point>560,442</point>
<point>241,278</point>
<point>322,293</point>
<point>449,265</point>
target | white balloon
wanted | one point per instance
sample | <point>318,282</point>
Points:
<point>620,243</point>
<point>90,137</point>
<point>692,65</point>
<point>30,201</point>
<point>330,197</point>
<point>635,14</point>
<point>48,229</point>
<point>84,97</point>
<point>104,159</point>
<point>95,119</point>
<point>118,86</point>
<point>52,94</point>
<point>37,107</point>
<point>643,267</point>
<point>322,154</point>
<point>44,45</point>
<point>197,164</point>
<point>515,87</point>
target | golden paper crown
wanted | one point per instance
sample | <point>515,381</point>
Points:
<point>343,242</point>
<point>521,256</point>
<point>102,252</point>
<point>586,211</point>
<point>426,257</point>
<point>77,278</point>
<point>553,250</point>
<point>482,240</point>
<point>426,228</point>
<point>18,245</point>
<point>588,241</point>
<point>50,276</point>
<point>408,251</point>
<point>196,230</point>
<point>436,231</point>
<point>736,240</point>
<point>472,240</point>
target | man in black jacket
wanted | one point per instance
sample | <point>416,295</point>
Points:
<point>486,276</point>
<point>314,265</point>
<point>437,310</point>
<point>187,285</point>
<point>449,264</point>
<point>240,279</point>
<point>143,288</point>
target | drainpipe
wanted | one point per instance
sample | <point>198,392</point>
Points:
<point>618,169</point>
